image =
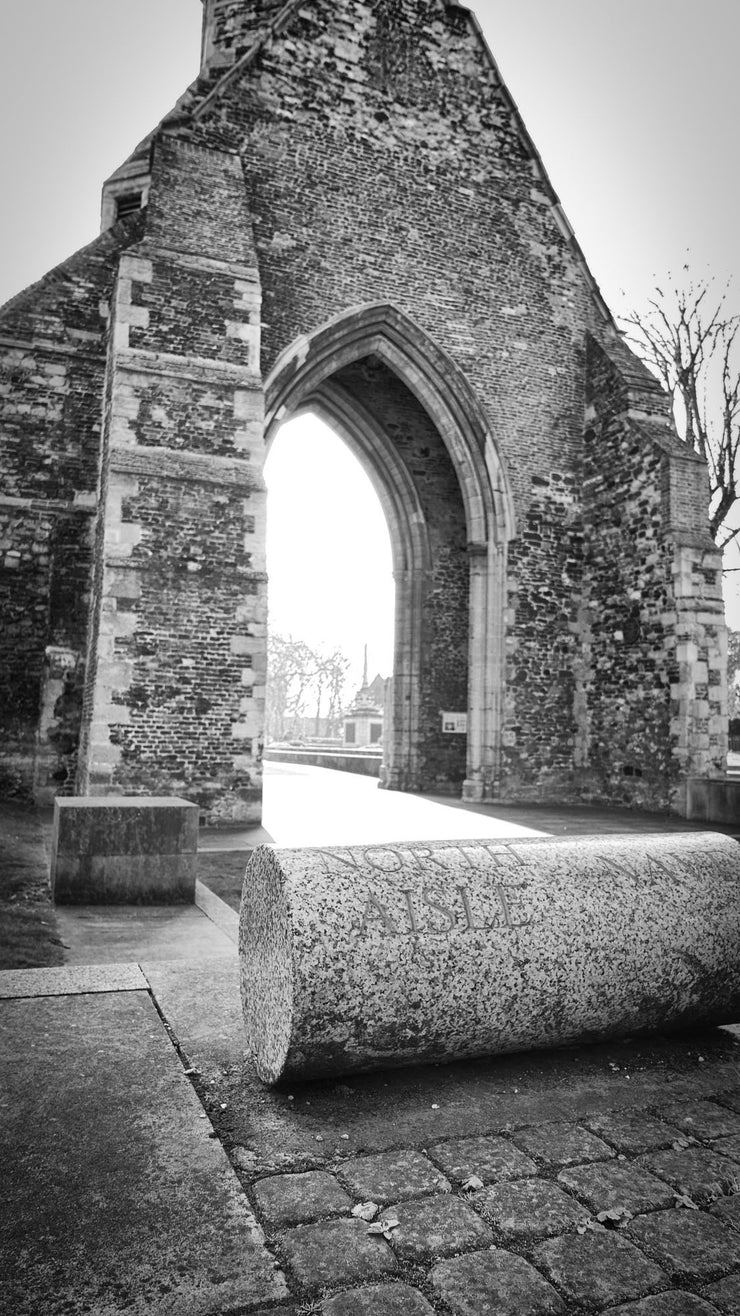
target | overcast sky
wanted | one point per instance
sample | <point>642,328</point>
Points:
<point>634,107</point>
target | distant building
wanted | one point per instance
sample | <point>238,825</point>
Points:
<point>363,721</point>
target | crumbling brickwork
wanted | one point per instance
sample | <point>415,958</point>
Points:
<point>346,210</point>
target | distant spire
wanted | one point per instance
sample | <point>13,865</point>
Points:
<point>364,670</point>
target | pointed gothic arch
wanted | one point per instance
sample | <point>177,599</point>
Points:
<point>304,378</point>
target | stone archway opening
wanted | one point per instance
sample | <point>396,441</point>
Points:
<point>331,587</point>
<point>410,417</point>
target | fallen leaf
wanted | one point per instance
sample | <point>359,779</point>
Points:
<point>615,1218</point>
<point>683,1199</point>
<point>366,1210</point>
<point>472,1184</point>
<point>591,1225</point>
<point>384,1226</point>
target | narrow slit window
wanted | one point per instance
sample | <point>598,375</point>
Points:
<point>128,203</point>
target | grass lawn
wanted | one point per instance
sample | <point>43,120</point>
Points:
<point>222,871</point>
<point>28,936</point>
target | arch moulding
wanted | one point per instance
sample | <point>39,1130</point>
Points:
<point>302,380</point>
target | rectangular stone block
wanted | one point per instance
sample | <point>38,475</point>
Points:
<point>714,799</point>
<point>124,850</point>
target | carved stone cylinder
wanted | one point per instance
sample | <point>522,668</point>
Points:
<point>383,955</point>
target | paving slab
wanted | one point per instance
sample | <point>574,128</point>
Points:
<point>562,1144</point>
<point>298,1199</point>
<point>392,1176</point>
<point>483,1158</point>
<point>675,1303</point>
<point>494,1281</point>
<point>529,1208</point>
<point>436,1227</point>
<point>633,1133</point>
<point>116,1198</point>
<point>335,1252</point>
<point>201,1002</point>
<point>703,1119</point>
<point>725,1294</point>
<point>614,1185</point>
<point>727,1209</point>
<point>107,934</point>
<point>378,1300</point>
<point>600,1267</point>
<point>81,979</point>
<point>687,1244</point>
<point>693,1170</point>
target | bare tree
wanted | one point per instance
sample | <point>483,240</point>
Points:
<point>334,669</point>
<point>290,668</point>
<point>688,339</point>
<point>296,672</point>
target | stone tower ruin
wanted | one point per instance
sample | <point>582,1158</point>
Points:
<point>344,214</point>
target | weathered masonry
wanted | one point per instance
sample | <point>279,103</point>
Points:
<point>344,214</point>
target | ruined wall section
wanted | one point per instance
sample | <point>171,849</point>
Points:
<point>544,645</point>
<point>654,621</point>
<point>230,27</point>
<point>383,161</point>
<point>445,615</point>
<point>176,674</point>
<point>52,366</point>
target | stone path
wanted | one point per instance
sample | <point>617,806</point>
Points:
<point>146,1169</point>
<point>572,1181</point>
<point>316,806</point>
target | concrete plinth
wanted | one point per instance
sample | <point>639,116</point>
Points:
<point>117,850</point>
<point>364,957</point>
<point>714,799</point>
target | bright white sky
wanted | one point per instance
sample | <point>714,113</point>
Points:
<point>634,107</point>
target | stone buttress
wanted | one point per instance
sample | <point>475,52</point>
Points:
<point>174,697</point>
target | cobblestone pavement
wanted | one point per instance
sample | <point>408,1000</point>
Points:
<point>588,1180</point>
<point>631,1212</point>
<point>591,1180</point>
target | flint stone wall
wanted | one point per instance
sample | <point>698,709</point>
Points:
<point>367,957</point>
<point>331,158</point>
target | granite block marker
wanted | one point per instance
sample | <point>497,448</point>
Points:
<point>113,849</point>
<point>384,955</point>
